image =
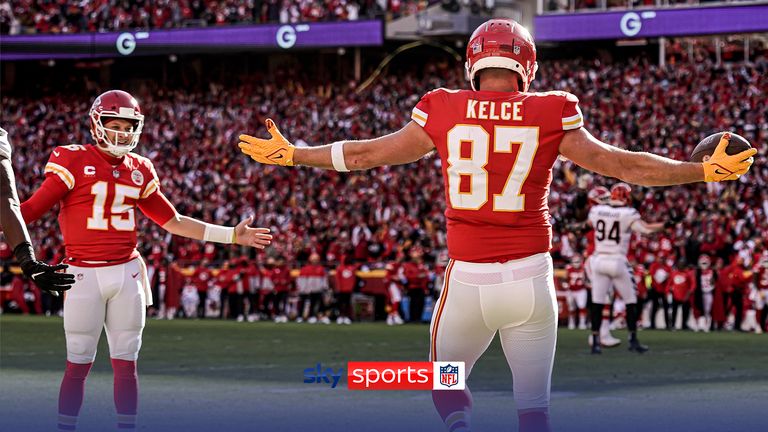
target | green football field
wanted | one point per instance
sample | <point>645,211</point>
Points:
<point>227,376</point>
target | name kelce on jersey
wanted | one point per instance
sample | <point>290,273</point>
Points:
<point>488,110</point>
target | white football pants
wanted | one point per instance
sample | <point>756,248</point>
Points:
<point>608,271</point>
<point>113,297</point>
<point>516,299</point>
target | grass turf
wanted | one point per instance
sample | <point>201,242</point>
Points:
<point>230,370</point>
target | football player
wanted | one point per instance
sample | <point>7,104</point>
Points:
<point>704,292</point>
<point>614,224</point>
<point>597,196</point>
<point>99,188</point>
<point>48,278</point>
<point>577,293</point>
<point>498,143</point>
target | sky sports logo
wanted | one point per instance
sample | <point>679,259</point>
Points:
<point>392,375</point>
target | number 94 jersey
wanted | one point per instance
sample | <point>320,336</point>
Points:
<point>497,151</point>
<point>97,215</point>
<point>613,228</point>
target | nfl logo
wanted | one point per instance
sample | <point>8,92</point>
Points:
<point>449,375</point>
<point>516,49</point>
<point>477,47</point>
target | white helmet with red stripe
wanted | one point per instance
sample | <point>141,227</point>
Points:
<point>501,43</point>
<point>599,195</point>
<point>115,104</point>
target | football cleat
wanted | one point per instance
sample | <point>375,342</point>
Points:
<point>596,349</point>
<point>606,339</point>
<point>635,346</point>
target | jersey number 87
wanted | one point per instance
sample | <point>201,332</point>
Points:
<point>510,199</point>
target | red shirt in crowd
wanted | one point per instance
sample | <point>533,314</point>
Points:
<point>660,272</point>
<point>642,288</point>
<point>281,278</point>
<point>416,275</point>
<point>681,285</point>
<point>346,278</point>
<point>738,277</point>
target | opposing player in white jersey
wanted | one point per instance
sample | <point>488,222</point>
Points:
<point>598,195</point>
<point>614,224</point>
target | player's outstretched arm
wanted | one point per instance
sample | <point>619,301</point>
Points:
<point>407,145</point>
<point>241,234</point>
<point>45,276</point>
<point>157,207</point>
<point>10,212</point>
<point>644,227</point>
<point>648,169</point>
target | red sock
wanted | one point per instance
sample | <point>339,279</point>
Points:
<point>454,407</point>
<point>71,394</point>
<point>534,420</point>
<point>126,393</point>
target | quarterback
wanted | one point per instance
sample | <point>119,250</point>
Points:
<point>497,143</point>
<point>99,187</point>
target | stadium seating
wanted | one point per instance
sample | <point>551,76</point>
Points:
<point>376,217</point>
<point>26,16</point>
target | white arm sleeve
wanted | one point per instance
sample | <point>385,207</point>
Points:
<point>641,227</point>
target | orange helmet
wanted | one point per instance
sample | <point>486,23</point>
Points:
<point>501,43</point>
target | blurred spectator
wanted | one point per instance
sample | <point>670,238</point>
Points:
<point>312,283</point>
<point>189,135</point>
<point>68,16</point>
<point>346,280</point>
<point>416,277</point>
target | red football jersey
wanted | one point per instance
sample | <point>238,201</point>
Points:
<point>497,151</point>
<point>416,274</point>
<point>97,216</point>
<point>575,278</point>
<point>762,279</point>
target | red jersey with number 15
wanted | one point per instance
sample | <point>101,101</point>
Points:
<point>497,151</point>
<point>97,216</point>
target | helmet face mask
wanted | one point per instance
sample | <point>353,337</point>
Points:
<point>501,43</point>
<point>116,104</point>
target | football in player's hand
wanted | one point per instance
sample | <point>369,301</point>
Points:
<point>708,145</point>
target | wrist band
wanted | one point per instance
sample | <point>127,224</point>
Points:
<point>219,234</point>
<point>337,156</point>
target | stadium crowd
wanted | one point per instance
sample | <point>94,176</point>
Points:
<point>584,5</point>
<point>57,16</point>
<point>391,218</point>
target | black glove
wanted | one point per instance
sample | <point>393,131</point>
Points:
<point>45,276</point>
<point>675,217</point>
